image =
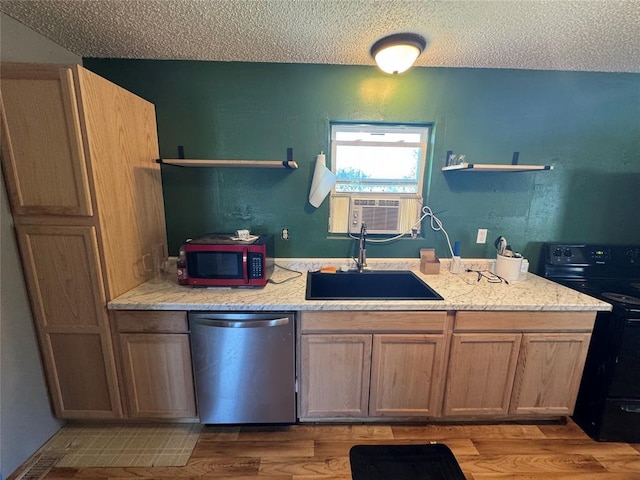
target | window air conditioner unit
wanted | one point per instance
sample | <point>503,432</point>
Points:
<point>382,215</point>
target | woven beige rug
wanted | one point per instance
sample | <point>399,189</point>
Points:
<point>157,445</point>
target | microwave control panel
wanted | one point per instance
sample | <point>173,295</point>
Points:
<point>255,265</point>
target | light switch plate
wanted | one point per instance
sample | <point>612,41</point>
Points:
<point>482,235</point>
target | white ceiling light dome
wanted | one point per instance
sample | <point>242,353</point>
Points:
<point>396,53</point>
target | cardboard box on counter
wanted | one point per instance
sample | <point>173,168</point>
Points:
<point>429,262</point>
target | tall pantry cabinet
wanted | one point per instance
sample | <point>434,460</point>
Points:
<point>78,155</point>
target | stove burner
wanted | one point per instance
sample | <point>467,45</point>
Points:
<point>619,297</point>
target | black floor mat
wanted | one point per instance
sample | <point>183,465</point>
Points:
<point>404,462</point>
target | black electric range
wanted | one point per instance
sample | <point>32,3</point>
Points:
<point>623,295</point>
<point>608,404</point>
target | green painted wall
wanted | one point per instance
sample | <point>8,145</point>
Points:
<point>585,124</point>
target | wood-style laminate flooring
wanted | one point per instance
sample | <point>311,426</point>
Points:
<point>321,452</point>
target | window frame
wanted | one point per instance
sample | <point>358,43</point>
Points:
<point>339,201</point>
<point>424,129</point>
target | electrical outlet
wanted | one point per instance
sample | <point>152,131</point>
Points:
<point>482,235</point>
<point>285,234</point>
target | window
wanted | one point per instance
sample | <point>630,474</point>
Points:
<point>381,163</point>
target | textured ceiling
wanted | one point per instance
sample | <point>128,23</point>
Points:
<point>601,35</point>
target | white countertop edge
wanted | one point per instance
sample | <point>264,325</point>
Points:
<point>388,305</point>
<point>533,294</point>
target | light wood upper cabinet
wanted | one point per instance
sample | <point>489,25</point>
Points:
<point>78,148</point>
<point>407,375</point>
<point>42,147</point>
<point>122,146</point>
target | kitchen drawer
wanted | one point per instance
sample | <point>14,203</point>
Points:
<point>373,322</point>
<point>151,321</point>
<point>505,321</point>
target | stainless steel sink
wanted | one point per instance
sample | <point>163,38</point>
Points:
<point>368,285</point>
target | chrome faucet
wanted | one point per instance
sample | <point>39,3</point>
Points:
<point>361,261</point>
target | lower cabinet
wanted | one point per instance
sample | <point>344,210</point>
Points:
<point>371,373</point>
<point>400,365</point>
<point>516,363</point>
<point>396,365</point>
<point>549,372</point>
<point>481,372</point>
<point>155,364</point>
<point>407,375</point>
<point>335,375</point>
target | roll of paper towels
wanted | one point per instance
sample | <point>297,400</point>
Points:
<point>322,183</point>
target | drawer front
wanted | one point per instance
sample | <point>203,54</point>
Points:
<point>151,321</point>
<point>361,321</point>
<point>491,321</point>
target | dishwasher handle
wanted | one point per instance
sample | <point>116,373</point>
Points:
<point>217,322</point>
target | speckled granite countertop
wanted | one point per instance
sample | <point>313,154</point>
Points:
<point>460,292</point>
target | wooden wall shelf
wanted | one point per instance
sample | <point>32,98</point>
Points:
<point>489,167</point>
<point>182,162</point>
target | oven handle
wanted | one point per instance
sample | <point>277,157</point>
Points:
<point>630,409</point>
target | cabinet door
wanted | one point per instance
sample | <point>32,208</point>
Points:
<point>42,147</point>
<point>549,373</point>
<point>481,373</point>
<point>407,375</point>
<point>122,148</point>
<point>64,278</point>
<point>158,375</point>
<point>335,375</point>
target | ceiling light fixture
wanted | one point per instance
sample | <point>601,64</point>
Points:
<point>396,53</point>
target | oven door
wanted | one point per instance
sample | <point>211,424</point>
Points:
<point>608,404</point>
<point>625,382</point>
<point>620,421</point>
<point>621,416</point>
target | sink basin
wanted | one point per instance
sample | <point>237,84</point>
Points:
<point>368,285</point>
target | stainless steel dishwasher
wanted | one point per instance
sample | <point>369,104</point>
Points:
<point>244,366</point>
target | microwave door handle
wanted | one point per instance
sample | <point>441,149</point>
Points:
<point>245,264</point>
